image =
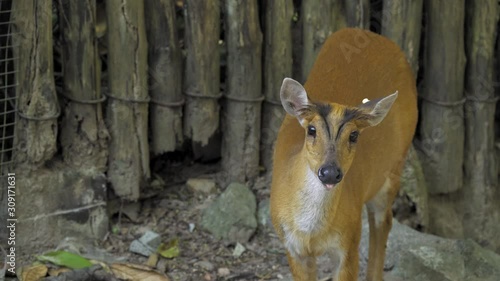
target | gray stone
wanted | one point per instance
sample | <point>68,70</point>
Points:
<point>415,256</point>
<point>232,215</point>
<point>147,244</point>
<point>141,249</point>
<point>205,265</point>
<point>223,271</point>
<point>264,214</point>
<point>62,202</point>
<point>201,186</point>
<point>131,210</point>
<point>444,220</point>
<point>238,250</point>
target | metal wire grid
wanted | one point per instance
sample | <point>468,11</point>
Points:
<point>8,84</point>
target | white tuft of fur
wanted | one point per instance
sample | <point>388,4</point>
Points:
<point>365,100</point>
<point>292,242</point>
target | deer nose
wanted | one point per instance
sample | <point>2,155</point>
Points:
<point>330,174</point>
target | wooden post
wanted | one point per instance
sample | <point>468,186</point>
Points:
<point>84,135</point>
<point>317,21</point>
<point>441,123</point>
<point>358,13</point>
<point>277,66</point>
<point>36,131</point>
<point>202,84</point>
<point>165,76</point>
<point>339,20</point>
<point>482,211</point>
<point>127,111</point>
<point>240,144</point>
<point>402,23</point>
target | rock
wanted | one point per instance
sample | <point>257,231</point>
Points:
<point>223,272</point>
<point>147,244</point>
<point>201,186</point>
<point>232,215</point>
<point>62,202</point>
<point>205,265</point>
<point>238,250</point>
<point>264,214</point>
<point>415,256</point>
<point>411,204</point>
<point>444,220</point>
<point>131,210</point>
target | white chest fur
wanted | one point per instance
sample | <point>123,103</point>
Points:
<point>300,239</point>
<point>309,218</point>
<point>313,198</point>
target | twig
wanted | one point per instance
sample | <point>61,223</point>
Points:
<point>245,275</point>
<point>120,212</point>
<point>105,237</point>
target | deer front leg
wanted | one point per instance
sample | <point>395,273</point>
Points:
<point>302,268</point>
<point>380,221</point>
<point>379,232</point>
<point>349,267</point>
<point>348,259</point>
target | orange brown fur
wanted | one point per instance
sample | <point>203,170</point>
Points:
<point>352,65</point>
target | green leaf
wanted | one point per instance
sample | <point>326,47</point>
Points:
<point>169,250</point>
<point>115,229</point>
<point>67,259</point>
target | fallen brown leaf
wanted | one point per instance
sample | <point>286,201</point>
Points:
<point>33,272</point>
<point>136,272</point>
<point>58,271</point>
<point>152,260</point>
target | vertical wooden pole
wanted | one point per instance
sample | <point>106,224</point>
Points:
<point>240,144</point>
<point>84,135</point>
<point>358,13</point>
<point>165,76</point>
<point>36,131</point>
<point>441,123</point>
<point>127,111</point>
<point>277,66</point>
<point>316,20</point>
<point>482,210</point>
<point>339,20</point>
<point>402,23</point>
<point>202,85</point>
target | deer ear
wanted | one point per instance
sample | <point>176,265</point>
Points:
<point>376,110</point>
<point>294,98</point>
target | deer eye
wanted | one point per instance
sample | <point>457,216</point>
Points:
<point>353,137</point>
<point>311,131</point>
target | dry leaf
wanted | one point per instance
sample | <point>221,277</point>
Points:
<point>57,271</point>
<point>136,272</point>
<point>169,250</point>
<point>33,272</point>
<point>152,260</point>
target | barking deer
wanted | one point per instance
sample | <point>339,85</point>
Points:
<point>335,153</point>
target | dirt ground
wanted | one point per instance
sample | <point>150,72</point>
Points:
<point>169,211</point>
<point>168,208</point>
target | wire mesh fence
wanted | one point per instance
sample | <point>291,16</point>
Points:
<point>8,83</point>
